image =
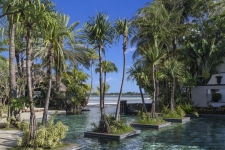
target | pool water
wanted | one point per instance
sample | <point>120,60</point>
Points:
<point>198,134</point>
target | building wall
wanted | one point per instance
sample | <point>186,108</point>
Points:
<point>201,95</point>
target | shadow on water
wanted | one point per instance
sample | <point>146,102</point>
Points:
<point>200,133</point>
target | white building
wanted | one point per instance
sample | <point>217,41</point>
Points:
<point>202,95</point>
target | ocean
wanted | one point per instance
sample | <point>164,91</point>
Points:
<point>112,100</point>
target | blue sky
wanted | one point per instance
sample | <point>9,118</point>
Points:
<point>81,10</point>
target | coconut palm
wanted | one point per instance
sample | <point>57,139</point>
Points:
<point>123,27</point>
<point>70,48</point>
<point>152,56</point>
<point>100,33</point>
<point>93,57</point>
<point>106,86</point>
<point>107,67</point>
<point>8,7</point>
<point>172,70</point>
<point>12,75</point>
<point>52,34</point>
<point>74,51</point>
<point>32,16</point>
<point>137,73</point>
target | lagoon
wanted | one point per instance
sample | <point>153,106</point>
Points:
<point>198,134</point>
<point>112,100</point>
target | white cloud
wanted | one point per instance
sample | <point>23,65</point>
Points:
<point>110,79</point>
<point>131,49</point>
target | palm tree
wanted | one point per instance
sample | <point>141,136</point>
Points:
<point>75,80</point>
<point>74,51</point>
<point>34,12</point>
<point>93,57</point>
<point>106,68</point>
<point>174,70</point>
<point>9,7</point>
<point>52,34</point>
<point>12,75</point>
<point>153,23</point>
<point>152,55</point>
<point>106,86</point>
<point>100,33</point>
<point>137,72</point>
<point>123,28</point>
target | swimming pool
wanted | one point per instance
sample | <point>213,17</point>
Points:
<point>200,133</point>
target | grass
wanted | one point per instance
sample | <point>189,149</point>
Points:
<point>156,121</point>
<point>26,148</point>
<point>172,115</point>
<point>123,130</point>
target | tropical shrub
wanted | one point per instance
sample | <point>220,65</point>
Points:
<point>17,104</point>
<point>177,113</point>
<point>216,97</point>
<point>145,119</point>
<point>45,137</point>
<point>116,127</point>
<point>189,108</point>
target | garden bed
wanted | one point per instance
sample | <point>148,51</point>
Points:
<point>111,136</point>
<point>167,124</point>
<point>177,120</point>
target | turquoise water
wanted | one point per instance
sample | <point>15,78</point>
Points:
<point>198,134</point>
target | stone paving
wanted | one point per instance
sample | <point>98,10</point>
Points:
<point>8,138</point>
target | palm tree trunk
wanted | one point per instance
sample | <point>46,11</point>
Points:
<point>167,92</point>
<point>50,56</point>
<point>124,71</point>
<point>57,79</point>
<point>172,103</point>
<point>104,126</point>
<point>154,93</point>
<point>104,89</point>
<point>143,100</point>
<point>157,96</point>
<point>92,63</point>
<point>17,55</point>
<point>12,76</point>
<point>29,86</point>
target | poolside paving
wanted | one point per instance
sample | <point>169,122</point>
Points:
<point>8,138</point>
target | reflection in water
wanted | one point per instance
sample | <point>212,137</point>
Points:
<point>201,133</point>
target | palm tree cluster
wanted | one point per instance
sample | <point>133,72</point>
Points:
<point>176,43</point>
<point>34,30</point>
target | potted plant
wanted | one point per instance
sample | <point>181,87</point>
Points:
<point>216,97</point>
<point>218,78</point>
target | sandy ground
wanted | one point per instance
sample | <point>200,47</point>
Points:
<point>8,138</point>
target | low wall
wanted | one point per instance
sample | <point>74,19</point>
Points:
<point>131,108</point>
